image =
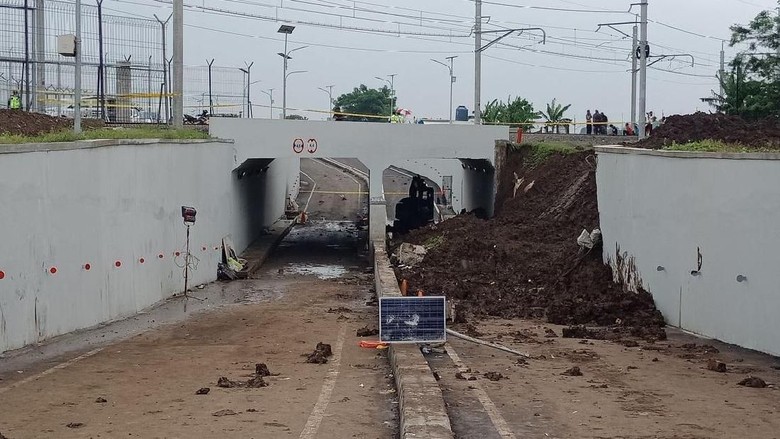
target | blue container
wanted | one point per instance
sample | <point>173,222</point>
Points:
<point>462,114</point>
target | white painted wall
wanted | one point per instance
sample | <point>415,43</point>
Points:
<point>659,207</point>
<point>66,205</point>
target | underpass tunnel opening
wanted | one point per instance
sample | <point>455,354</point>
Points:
<point>479,187</point>
<point>257,193</point>
<point>331,207</point>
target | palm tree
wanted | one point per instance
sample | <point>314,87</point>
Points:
<point>554,115</point>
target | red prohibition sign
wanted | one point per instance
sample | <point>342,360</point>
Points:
<point>312,146</point>
<point>297,146</point>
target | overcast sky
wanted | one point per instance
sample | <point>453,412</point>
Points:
<point>570,67</point>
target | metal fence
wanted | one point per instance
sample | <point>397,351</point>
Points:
<point>125,71</point>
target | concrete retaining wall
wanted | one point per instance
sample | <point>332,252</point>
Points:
<point>664,213</point>
<point>421,404</point>
<point>115,205</point>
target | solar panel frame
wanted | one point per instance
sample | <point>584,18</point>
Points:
<point>430,326</point>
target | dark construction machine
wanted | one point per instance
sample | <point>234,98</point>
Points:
<point>417,209</point>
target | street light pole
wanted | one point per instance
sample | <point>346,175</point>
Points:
<point>391,81</point>
<point>77,79</point>
<point>452,78</point>
<point>329,91</point>
<point>178,63</point>
<point>248,72</point>
<point>478,63</point>
<point>643,71</point>
<point>270,94</point>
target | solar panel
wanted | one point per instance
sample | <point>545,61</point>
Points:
<point>412,319</point>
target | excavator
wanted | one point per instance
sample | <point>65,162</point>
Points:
<point>417,209</point>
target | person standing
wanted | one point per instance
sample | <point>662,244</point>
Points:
<point>589,122</point>
<point>15,102</point>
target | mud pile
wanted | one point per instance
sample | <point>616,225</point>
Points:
<point>525,262</point>
<point>764,133</point>
<point>18,122</point>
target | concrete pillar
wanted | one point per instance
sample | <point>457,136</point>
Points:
<point>377,211</point>
<point>123,89</point>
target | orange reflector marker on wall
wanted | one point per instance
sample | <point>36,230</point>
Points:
<point>2,274</point>
<point>177,254</point>
<point>118,264</point>
<point>87,266</point>
<point>160,256</point>
<point>53,270</point>
<point>142,260</point>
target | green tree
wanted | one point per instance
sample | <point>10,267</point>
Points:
<point>296,117</point>
<point>368,101</point>
<point>554,115</point>
<point>516,112</point>
<point>752,88</point>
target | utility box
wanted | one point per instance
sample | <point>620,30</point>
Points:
<point>66,45</point>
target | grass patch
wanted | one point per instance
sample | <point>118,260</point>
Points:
<point>433,242</point>
<point>539,152</point>
<point>718,146</point>
<point>106,133</point>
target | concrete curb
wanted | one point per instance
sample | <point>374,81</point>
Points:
<point>421,404</point>
<point>257,257</point>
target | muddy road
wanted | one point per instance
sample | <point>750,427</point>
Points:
<point>162,374</point>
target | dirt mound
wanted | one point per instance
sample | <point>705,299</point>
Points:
<point>320,354</point>
<point>764,133</point>
<point>525,262</point>
<point>17,122</point>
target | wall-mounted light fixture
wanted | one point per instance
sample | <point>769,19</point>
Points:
<point>660,268</point>
<point>741,278</point>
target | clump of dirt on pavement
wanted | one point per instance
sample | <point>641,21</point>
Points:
<point>573,372</point>
<point>525,262</point>
<point>495,376</point>
<point>764,133</point>
<point>3,436</point>
<point>255,382</point>
<point>367,332</point>
<point>754,382</point>
<point>320,354</point>
<point>18,122</point>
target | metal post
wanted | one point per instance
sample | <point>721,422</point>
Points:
<point>26,73</point>
<point>77,79</point>
<point>164,64</point>
<point>722,66</point>
<point>392,92</point>
<point>178,63</point>
<point>211,97</point>
<point>329,91</point>
<point>452,81</point>
<point>59,90</point>
<point>272,102</point>
<point>284,85</point>
<point>187,258</point>
<point>249,89</point>
<point>40,49</point>
<point>478,63</point>
<point>634,61</point>
<point>149,86</point>
<point>643,72</point>
<point>101,85</point>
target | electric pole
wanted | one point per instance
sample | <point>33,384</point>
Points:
<point>478,63</point>
<point>722,66</point>
<point>634,62</point>
<point>643,51</point>
<point>178,63</point>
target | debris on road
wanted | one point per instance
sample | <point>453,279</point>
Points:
<point>262,370</point>
<point>100,400</point>
<point>320,354</point>
<point>224,412</point>
<point>75,425</point>
<point>409,254</point>
<point>716,366</point>
<point>255,382</point>
<point>203,391</point>
<point>754,382</point>
<point>573,372</point>
<point>549,333</point>
<point>494,376</point>
<point>367,332</point>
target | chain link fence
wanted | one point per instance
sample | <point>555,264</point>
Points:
<point>125,66</point>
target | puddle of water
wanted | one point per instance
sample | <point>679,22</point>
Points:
<point>321,271</point>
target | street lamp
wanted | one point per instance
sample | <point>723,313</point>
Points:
<point>391,81</point>
<point>270,94</point>
<point>286,30</point>
<point>452,77</point>
<point>248,72</point>
<point>329,91</point>
<point>284,109</point>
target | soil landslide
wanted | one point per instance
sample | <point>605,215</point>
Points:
<point>525,262</point>
<point>18,122</point>
<point>763,133</point>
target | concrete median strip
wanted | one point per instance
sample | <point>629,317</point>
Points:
<point>422,411</point>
